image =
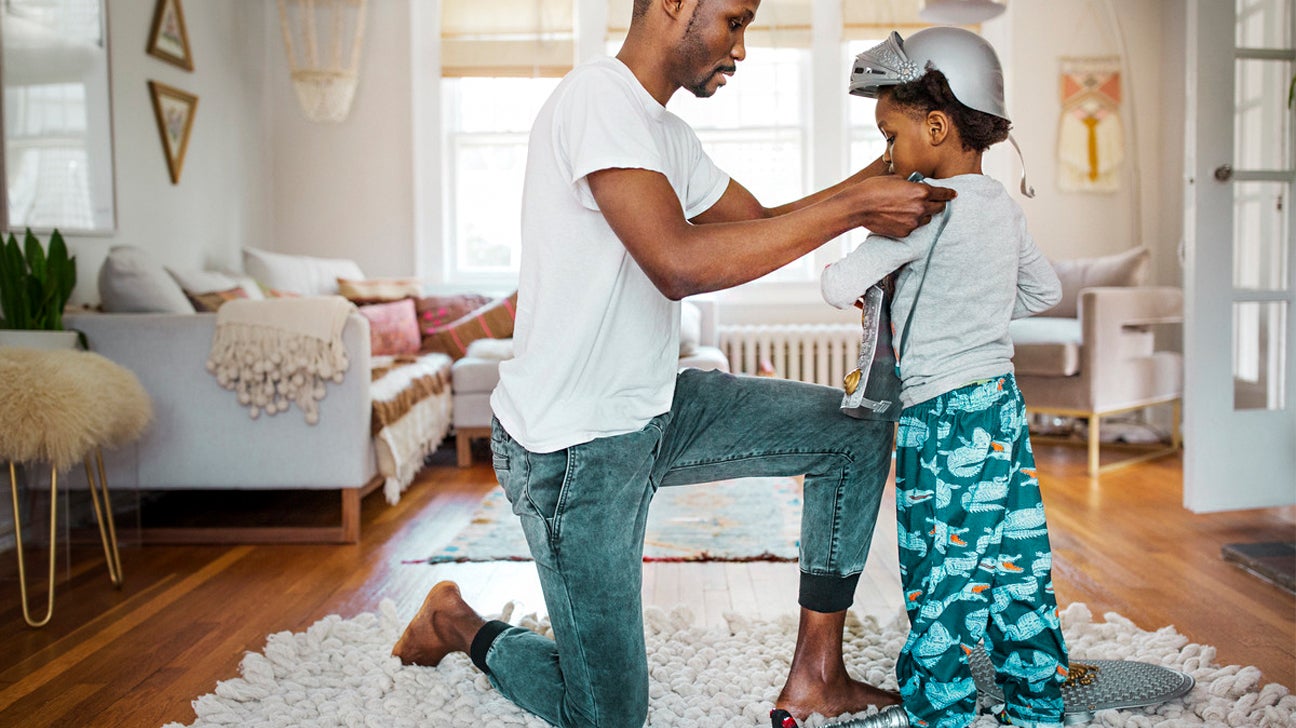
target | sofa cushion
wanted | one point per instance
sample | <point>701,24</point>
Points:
<point>193,280</point>
<point>492,321</point>
<point>379,290</point>
<point>393,328</point>
<point>470,374</point>
<point>496,349</point>
<point>303,274</point>
<point>212,300</point>
<point>1128,268</point>
<point>1046,346</point>
<point>437,311</point>
<point>130,281</point>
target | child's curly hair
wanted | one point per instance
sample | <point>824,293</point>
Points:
<point>977,129</point>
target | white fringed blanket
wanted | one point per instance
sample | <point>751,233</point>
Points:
<point>280,351</point>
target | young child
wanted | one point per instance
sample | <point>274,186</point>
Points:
<point>974,549</point>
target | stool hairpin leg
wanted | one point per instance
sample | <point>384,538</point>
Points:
<point>104,515</point>
<point>18,545</point>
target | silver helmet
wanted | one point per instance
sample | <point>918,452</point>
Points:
<point>967,60</point>
<point>969,63</point>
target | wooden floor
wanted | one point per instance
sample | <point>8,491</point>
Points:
<point>138,656</point>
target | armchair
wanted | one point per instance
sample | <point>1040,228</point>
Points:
<point>1094,355</point>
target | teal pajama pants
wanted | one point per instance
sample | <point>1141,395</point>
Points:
<point>975,560</point>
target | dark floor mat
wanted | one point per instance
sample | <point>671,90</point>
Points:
<point>1273,561</point>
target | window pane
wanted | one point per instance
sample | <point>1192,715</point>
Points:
<point>1259,343</point>
<point>1264,24</point>
<point>1262,123</point>
<point>487,123</point>
<point>754,129</point>
<point>1260,247</point>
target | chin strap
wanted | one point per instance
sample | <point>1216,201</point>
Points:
<point>1026,189</point>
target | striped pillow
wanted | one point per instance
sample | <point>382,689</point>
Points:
<point>492,321</point>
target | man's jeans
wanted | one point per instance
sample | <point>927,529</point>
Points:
<point>583,510</point>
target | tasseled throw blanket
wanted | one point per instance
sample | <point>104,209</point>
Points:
<point>279,351</point>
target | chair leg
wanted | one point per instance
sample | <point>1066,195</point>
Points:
<point>1094,442</point>
<point>104,517</point>
<point>1176,435</point>
<point>18,544</point>
<point>463,448</point>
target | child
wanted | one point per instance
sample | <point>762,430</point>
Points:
<point>974,550</point>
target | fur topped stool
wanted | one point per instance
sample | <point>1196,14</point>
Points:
<point>61,407</point>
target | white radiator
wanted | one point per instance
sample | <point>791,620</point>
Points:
<point>815,353</point>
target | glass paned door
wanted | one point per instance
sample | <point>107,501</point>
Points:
<point>1240,417</point>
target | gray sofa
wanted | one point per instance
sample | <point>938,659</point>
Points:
<point>202,439</point>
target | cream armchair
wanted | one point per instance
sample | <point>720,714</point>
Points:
<point>1094,355</point>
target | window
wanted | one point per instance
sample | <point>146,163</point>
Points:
<point>487,121</point>
<point>754,129</point>
<point>499,64</point>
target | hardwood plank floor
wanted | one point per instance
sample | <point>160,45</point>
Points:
<point>139,655</point>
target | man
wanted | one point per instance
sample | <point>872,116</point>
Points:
<point>623,215</point>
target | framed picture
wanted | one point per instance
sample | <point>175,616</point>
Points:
<point>168,38</point>
<point>174,110</point>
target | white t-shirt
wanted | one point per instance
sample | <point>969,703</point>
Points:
<point>596,344</point>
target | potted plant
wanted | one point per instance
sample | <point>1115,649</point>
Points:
<point>34,288</point>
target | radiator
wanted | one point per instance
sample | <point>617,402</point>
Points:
<point>815,353</point>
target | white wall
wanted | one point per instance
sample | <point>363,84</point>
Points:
<point>221,201</point>
<point>1148,208</point>
<point>346,190</point>
<point>259,173</point>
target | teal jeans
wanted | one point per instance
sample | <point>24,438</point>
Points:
<point>584,510</point>
<point>975,561</point>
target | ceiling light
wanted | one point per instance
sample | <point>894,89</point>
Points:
<point>959,12</point>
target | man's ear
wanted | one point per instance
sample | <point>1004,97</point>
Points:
<point>937,127</point>
<point>673,8</point>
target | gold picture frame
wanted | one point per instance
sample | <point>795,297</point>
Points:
<point>174,111</point>
<point>168,37</point>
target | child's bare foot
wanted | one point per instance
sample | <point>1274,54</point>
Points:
<point>444,624</point>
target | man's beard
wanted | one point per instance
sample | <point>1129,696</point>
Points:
<point>693,52</point>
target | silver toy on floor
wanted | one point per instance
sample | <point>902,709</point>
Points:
<point>1094,685</point>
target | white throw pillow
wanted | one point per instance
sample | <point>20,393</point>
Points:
<point>303,274</point>
<point>690,329</point>
<point>132,282</point>
<point>495,349</point>
<point>200,281</point>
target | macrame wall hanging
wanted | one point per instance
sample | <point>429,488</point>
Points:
<point>1091,138</point>
<point>323,39</point>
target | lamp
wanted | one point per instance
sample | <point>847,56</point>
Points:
<point>959,12</point>
<point>325,82</point>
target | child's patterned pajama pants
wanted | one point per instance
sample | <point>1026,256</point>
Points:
<point>975,559</point>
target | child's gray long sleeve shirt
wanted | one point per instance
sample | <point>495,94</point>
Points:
<point>985,271</point>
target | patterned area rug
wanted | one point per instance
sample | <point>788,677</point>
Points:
<point>340,672</point>
<point>749,519</point>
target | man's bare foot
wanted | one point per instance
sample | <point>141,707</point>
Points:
<point>444,624</point>
<point>817,681</point>
<point>842,697</point>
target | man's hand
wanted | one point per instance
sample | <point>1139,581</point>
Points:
<point>894,207</point>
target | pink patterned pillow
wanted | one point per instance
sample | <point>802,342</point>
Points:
<point>393,328</point>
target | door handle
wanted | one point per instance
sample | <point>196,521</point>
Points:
<point>1224,173</point>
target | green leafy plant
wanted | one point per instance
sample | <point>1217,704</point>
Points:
<point>35,285</point>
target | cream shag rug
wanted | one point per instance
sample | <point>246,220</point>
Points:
<point>339,672</point>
